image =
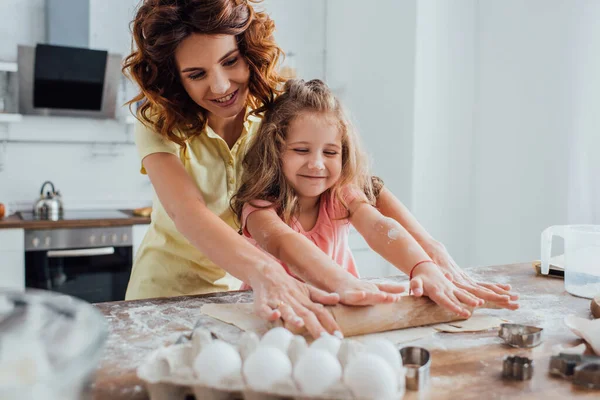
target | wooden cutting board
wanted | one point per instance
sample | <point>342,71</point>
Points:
<point>595,306</point>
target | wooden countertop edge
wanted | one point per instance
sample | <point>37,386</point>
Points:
<point>14,221</point>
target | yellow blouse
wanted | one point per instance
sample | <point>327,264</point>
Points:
<point>166,263</point>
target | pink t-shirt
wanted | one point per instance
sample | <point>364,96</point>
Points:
<point>330,233</point>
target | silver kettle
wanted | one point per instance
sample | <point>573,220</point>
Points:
<point>50,205</point>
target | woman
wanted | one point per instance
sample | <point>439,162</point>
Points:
<point>202,65</point>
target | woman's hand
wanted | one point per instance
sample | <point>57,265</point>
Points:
<point>428,280</point>
<point>354,292</point>
<point>278,295</point>
<point>492,292</point>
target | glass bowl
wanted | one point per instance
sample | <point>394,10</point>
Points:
<point>50,344</point>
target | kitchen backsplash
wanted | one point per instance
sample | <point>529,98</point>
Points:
<point>103,172</point>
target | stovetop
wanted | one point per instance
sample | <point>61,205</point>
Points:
<point>76,215</point>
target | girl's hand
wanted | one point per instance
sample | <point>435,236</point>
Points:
<point>278,295</point>
<point>354,292</point>
<point>428,280</point>
<point>492,292</point>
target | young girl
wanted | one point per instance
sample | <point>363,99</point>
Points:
<point>306,179</point>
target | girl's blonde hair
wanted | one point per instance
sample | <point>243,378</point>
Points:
<point>263,172</point>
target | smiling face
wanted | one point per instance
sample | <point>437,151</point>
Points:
<point>312,157</point>
<point>214,73</point>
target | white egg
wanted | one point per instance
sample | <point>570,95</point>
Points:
<point>349,349</point>
<point>265,367</point>
<point>316,371</point>
<point>386,350</point>
<point>328,343</point>
<point>297,347</point>
<point>180,360</point>
<point>248,343</point>
<point>200,339</point>
<point>279,338</point>
<point>217,362</point>
<point>370,377</point>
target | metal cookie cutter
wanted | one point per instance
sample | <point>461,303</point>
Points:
<point>517,335</point>
<point>587,375</point>
<point>417,362</point>
<point>516,367</point>
<point>584,370</point>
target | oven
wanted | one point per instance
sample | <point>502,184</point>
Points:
<point>92,264</point>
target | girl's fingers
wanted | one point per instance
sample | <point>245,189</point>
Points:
<point>320,296</point>
<point>391,287</point>
<point>378,297</point>
<point>353,297</point>
<point>416,286</point>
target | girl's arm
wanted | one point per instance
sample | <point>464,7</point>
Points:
<point>388,238</point>
<point>391,207</point>
<point>311,264</point>
<point>276,294</point>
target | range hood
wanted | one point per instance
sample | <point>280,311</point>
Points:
<point>64,77</point>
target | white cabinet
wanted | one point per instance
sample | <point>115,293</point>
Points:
<point>138,233</point>
<point>369,263</point>
<point>12,258</point>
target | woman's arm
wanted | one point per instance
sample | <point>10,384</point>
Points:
<point>389,239</point>
<point>276,294</point>
<point>311,264</point>
<point>391,207</point>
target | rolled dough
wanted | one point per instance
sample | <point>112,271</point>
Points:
<point>242,315</point>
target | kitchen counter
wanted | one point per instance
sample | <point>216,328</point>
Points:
<point>464,365</point>
<point>14,221</point>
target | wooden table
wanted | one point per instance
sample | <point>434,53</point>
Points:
<point>464,365</point>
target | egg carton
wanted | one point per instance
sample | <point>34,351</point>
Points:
<point>168,373</point>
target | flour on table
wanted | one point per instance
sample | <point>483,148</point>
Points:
<point>242,315</point>
<point>477,323</point>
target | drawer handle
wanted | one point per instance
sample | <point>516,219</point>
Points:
<point>101,251</point>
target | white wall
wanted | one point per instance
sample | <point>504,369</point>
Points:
<point>584,163</point>
<point>370,63</point>
<point>445,76</point>
<point>21,22</point>
<point>522,124</point>
<point>371,68</point>
<point>300,29</point>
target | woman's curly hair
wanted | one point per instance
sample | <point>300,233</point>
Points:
<point>161,25</point>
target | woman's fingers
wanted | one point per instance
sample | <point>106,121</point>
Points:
<point>467,298</point>
<point>489,295</point>
<point>449,302</point>
<point>317,319</point>
<point>288,315</point>
<point>499,290</point>
<point>266,312</point>
<point>482,292</point>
